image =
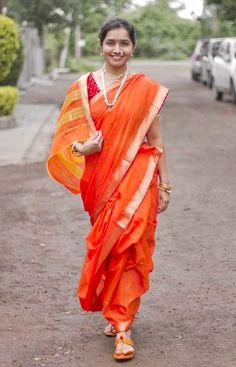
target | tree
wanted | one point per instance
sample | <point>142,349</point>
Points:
<point>37,13</point>
<point>226,9</point>
<point>59,12</point>
<point>162,33</point>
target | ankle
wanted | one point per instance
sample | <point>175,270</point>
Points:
<point>125,334</point>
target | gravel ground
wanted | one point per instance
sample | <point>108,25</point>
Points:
<point>187,318</point>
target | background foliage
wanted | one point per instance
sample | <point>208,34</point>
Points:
<point>161,32</point>
<point>14,73</point>
<point>9,44</point>
<point>8,99</point>
<point>226,9</point>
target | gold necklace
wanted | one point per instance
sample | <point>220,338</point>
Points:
<point>107,103</point>
<point>113,77</point>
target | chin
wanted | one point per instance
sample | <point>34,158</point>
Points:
<point>119,63</point>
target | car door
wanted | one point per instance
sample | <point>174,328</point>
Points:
<point>226,66</point>
<point>233,68</point>
<point>217,67</point>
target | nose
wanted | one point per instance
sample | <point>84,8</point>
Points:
<point>117,48</point>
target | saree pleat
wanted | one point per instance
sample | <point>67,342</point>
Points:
<point>118,187</point>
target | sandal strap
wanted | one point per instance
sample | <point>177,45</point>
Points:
<point>124,341</point>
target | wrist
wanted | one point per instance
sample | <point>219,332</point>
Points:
<point>77,148</point>
<point>163,186</point>
<point>164,180</point>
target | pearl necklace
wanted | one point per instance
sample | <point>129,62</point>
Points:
<point>110,105</point>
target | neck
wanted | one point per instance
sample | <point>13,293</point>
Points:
<point>116,70</point>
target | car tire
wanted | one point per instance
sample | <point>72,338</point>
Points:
<point>193,76</point>
<point>233,91</point>
<point>218,95</point>
<point>209,81</point>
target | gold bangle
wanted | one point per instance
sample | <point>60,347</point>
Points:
<point>74,150</point>
<point>165,187</point>
<point>165,190</point>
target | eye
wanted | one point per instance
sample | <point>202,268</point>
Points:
<point>125,43</point>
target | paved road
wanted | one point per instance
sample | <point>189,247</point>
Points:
<point>187,318</point>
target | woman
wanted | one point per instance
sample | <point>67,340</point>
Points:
<point>108,147</point>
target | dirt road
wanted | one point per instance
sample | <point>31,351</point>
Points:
<point>187,318</point>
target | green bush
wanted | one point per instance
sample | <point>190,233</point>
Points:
<point>9,44</point>
<point>8,99</point>
<point>79,66</point>
<point>16,67</point>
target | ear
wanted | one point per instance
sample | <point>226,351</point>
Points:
<point>99,46</point>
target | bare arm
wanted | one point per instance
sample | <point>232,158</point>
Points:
<point>154,137</point>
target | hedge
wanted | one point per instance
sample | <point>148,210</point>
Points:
<point>8,99</point>
<point>9,44</point>
<point>15,70</point>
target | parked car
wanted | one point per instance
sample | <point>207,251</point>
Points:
<point>210,51</point>
<point>224,70</point>
<point>199,51</point>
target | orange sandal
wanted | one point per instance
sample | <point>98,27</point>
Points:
<point>122,356</point>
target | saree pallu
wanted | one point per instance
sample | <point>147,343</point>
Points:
<point>118,187</point>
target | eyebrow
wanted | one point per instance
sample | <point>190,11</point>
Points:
<point>114,39</point>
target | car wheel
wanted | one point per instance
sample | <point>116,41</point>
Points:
<point>218,95</point>
<point>233,91</point>
<point>209,80</point>
<point>193,76</point>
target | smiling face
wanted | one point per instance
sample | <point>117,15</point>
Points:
<point>117,49</point>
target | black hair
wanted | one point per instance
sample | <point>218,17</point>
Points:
<point>115,23</point>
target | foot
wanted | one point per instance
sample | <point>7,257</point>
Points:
<point>124,346</point>
<point>110,330</point>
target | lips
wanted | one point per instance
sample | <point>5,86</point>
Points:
<point>117,57</point>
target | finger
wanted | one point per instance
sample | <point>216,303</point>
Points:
<point>99,139</point>
<point>100,136</point>
<point>165,206</point>
<point>160,204</point>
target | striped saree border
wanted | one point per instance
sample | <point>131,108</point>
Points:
<point>74,95</point>
<point>139,194</point>
<point>69,116</point>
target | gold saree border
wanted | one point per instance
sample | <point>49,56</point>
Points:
<point>82,82</point>
<point>132,151</point>
<point>130,209</point>
<point>139,194</point>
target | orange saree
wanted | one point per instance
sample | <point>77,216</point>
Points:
<point>118,187</point>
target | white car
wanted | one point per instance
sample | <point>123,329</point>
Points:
<point>198,53</point>
<point>211,51</point>
<point>224,70</point>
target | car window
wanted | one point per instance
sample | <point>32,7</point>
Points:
<point>216,48</point>
<point>224,51</point>
<point>227,54</point>
<point>227,49</point>
<point>221,50</point>
<point>204,48</point>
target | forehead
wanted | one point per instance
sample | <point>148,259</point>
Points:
<point>117,34</point>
